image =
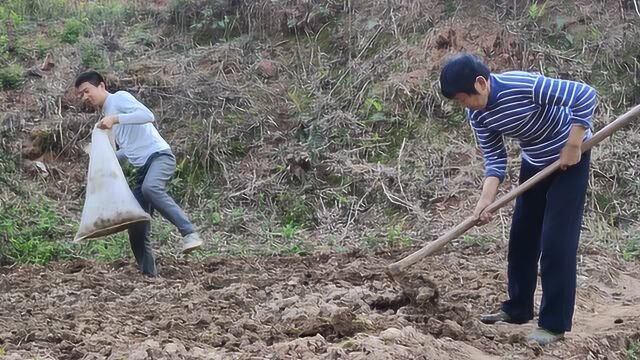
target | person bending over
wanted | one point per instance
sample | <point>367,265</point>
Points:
<point>550,118</point>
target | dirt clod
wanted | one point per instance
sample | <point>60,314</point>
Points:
<point>267,69</point>
<point>85,310</point>
<point>453,330</point>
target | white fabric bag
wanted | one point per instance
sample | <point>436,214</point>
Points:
<point>109,206</point>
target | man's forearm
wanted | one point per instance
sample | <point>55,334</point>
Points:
<point>490,188</point>
<point>576,135</point>
<point>136,118</point>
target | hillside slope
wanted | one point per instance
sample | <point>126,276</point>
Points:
<point>305,128</point>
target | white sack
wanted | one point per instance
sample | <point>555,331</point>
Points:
<point>109,206</point>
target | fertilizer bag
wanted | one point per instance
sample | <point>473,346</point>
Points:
<point>109,205</point>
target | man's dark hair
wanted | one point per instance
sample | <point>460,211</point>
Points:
<point>92,77</point>
<point>459,75</point>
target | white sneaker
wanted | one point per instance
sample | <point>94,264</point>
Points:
<point>191,242</point>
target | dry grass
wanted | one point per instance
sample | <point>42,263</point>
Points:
<point>349,140</point>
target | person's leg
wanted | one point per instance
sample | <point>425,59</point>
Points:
<point>139,238</point>
<point>524,251</point>
<point>560,238</point>
<point>160,171</point>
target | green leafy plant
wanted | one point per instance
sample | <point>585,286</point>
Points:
<point>72,31</point>
<point>11,77</point>
<point>536,11</point>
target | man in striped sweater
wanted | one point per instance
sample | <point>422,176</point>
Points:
<point>550,118</point>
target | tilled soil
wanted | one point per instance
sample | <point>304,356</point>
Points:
<point>332,306</point>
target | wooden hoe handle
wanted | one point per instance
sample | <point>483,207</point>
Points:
<point>399,266</point>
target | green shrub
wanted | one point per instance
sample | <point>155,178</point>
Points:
<point>72,31</point>
<point>11,77</point>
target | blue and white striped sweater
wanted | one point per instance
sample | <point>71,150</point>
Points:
<point>536,110</point>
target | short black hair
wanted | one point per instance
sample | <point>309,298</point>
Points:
<point>92,77</point>
<point>459,75</point>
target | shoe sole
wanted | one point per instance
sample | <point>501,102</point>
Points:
<point>192,247</point>
<point>510,321</point>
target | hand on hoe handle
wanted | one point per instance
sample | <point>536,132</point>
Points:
<point>570,155</point>
<point>482,217</point>
<point>490,188</point>
<point>488,196</point>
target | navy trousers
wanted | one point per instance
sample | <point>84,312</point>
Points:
<point>546,228</point>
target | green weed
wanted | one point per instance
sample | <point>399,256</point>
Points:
<point>536,11</point>
<point>11,77</point>
<point>632,352</point>
<point>92,56</point>
<point>107,249</point>
<point>72,31</point>
<point>33,233</point>
<point>631,249</point>
<point>481,241</point>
